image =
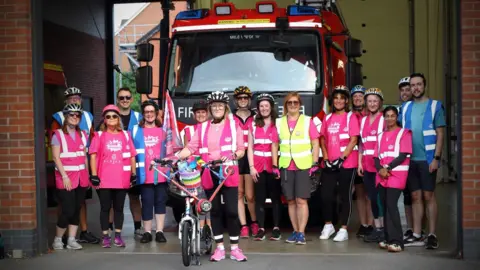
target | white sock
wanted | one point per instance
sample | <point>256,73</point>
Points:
<point>71,238</point>
<point>365,225</point>
<point>58,238</point>
<point>416,235</point>
<point>328,225</point>
<point>221,247</point>
<point>234,247</point>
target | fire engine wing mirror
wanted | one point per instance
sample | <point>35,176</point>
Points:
<point>144,52</point>
<point>353,47</point>
<point>143,80</point>
<point>283,54</point>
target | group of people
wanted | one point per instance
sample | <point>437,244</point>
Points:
<point>376,152</point>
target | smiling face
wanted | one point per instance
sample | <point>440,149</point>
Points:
<point>73,118</point>
<point>265,108</point>
<point>405,93</point>
<point>74,99</point>
<point>218,109</point>
<point>340,102</point>
<point>391,118</point>
<point>111,119</point>
<point>149,114</point>
<point>358,100</point>
<point>373,103</point>
<point>124,99</point>
<point>243,101</point>
<point>417,86</point>
<point>200,116</point>
<point>293,105</point>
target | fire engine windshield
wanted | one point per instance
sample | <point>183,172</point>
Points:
<point>265,61</point>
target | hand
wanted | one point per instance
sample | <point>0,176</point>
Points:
<point>133,180</point>
<point>383,173</point>
<point>254,174</point>
<point>276,172</point>
<point>312,170</point>
<point>95,180</point>
<point>338,163</point>
<point>433,166</point>
<point>67,183</point>
<point>360,169</point>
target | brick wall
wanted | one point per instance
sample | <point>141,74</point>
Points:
<point>470,14</point>
<point>83,59</point>
<point>17,168</point>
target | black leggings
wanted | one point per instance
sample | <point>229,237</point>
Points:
<point>393,225</point>
<point>344,178</point>
<point>267,187</point>
<point>369,181</point>
<point>70,202</point>
<point>107,197</point>
<point>230,209</point>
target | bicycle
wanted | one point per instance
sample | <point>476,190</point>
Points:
<point>188,227</point>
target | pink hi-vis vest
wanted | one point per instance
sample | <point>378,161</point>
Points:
<point>262,147</point>
<point>389,147</point>
<point>244,127</point>
<point>368,134</point>
<point>228,146</point>
<point>72,156</point>
<point>344,136</point>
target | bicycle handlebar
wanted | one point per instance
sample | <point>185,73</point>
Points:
<point>171,163</point>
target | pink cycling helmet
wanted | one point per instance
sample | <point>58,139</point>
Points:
<point>110,108</point>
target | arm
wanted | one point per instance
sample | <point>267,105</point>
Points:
<point>250,149</point>
<point>324,148</point>
<point>133,165</point>
<point>315,148</point>
<point>377,164</point>
<point>93,163</point>
<point>240,144</point>
<point>275,155</point>
<point>398,160</point>
<point>350,146</point>
<point>439,144</point>
<point>57,161</point>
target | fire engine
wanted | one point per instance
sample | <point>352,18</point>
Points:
<point>305,47</point>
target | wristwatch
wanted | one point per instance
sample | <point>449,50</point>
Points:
<point>437,157</point>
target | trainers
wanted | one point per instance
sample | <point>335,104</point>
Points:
<point>237,255</point>
<point>362,231</point>
<point>106,242</point>
<point>276,235</point>
<point>260,236</point>
<point>342,235</point>
<point>413,241</point>
<point>369,230</point>
<point>244,233</point>
<point>218,255</point>
<point>328,230</point>
<point>378,235</point>
<point>408,233</point>
<point>292,238</point>
<point>432,242</point>
<point>57,243</point>
<point>88,237</point>
<point>119,241</point>
<point>139,232</point>
<point>160,237</point>
<point>394,248</point>
<point>254,227</point>
<point>383,244</point>
<point>301,239</point>
<point>146,238</point>
<point>73,244</point>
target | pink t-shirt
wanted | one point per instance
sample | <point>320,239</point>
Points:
<point>331,130</point>
<point>313,132</point>
<point>154,137</point>
<point>214,135</point>
<point>112,168</point>
<point>270,132</point>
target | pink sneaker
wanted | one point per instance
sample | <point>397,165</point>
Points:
<point>218,255</point>
<point>244,233</point>
<point>237,255</point>
<point>254,227</point>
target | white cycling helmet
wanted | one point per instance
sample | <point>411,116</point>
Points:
<point>72,91</point>
<point>72,108</point>
<point>217,96</point>
<point>404,81</point>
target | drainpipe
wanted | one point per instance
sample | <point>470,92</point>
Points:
<point>447,56</point>
<point>164,35</point>
<point>411,34</point>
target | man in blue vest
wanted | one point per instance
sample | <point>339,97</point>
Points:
<point>74,95</point>
<point>426,118</point>
<point>129,119</point>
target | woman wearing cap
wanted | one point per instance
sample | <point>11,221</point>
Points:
<point>392,159</point>
<point>148,137</point>
<point>244,117</point>
<point>262,138</point>
<point>220,138</point>
<point>340,155</point>
<point>113,171</point>
<point>297,162</point>
<point>370,127</point>
<point>71,174</point>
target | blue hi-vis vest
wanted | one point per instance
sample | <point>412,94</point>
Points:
<point>428,126</point>
<point>85,122</point>
<point>139,143</point>
<point>135,118</point>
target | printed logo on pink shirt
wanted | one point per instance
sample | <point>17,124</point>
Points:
<point>114,145</point>
<point>150,142</point>
<point>334,128</point>
<point>373,132</point>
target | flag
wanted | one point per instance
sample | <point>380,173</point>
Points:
<point>173,142</point>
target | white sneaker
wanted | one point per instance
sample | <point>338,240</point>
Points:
<point>57,243</point>
<point>342,235</point>
<point>328,230</point>
<point>73,244</point>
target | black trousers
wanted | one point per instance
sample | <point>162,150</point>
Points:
<point>71,202</point>
<point>393,225</point>
<point>229,209</point>
<point>369,182</point>
<point>268,186</point>
<point>109,197</point>
<point>344,179</point>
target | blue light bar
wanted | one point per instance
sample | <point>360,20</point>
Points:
<point>192,14</point>
<point>295,10</point>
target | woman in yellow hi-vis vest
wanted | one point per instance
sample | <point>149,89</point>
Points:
<point>297,160</point>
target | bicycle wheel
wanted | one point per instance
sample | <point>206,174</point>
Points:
<point>186,243</point>
<point>207,237</point>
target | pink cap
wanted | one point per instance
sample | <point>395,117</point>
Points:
<point>112,108</point>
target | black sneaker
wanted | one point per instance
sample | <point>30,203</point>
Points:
<point>88,237</point>
<point>276,235</point>
<point>160,237</point>
<point>362,231</point>
<point>369,230</point>
<point>146,238</point>
<point>260,236</point>
<point>378,235</point>
<point>432,242</point>
<point>408,233</point>
<point>413,241</point>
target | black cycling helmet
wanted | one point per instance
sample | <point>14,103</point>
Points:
<point>150,103</point>
<point>217,96</point>
<point>200,105</point>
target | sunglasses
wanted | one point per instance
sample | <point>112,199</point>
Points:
<point>111,116</point>
<point>293,103</point>
<point>243,98</point>
<point>125,97</point>
<point>74,115</point>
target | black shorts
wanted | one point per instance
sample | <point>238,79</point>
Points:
<point>243,166</point>
<point>296,184</point>
<point>420,178</point>
<point>134,191</point>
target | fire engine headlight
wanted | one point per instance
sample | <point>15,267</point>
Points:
<point>265,8</point>
<point>223,10</point>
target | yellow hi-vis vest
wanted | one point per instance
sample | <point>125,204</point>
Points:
<point>296,145</point>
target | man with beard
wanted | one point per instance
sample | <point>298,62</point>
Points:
<point>426,118</point>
